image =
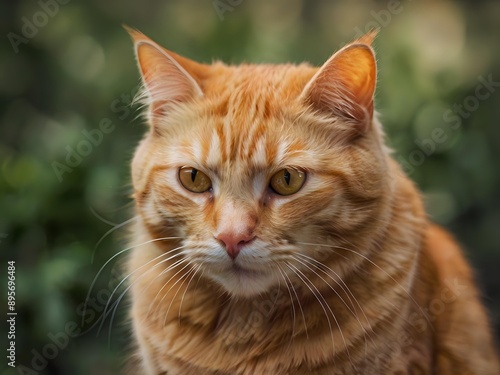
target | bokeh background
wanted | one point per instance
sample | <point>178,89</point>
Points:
<point>67,68</point>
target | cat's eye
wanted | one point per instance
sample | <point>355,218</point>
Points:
<point>194,180</point>
<point>287,181</point>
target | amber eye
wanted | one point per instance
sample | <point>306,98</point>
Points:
<point>194,180</point>
<point>287,181</point>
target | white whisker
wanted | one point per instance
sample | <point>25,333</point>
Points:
<point>116,227</point>
<point>117,302</point>
<point>184,278</point>
<point>110,259</point>
<point>381,269</point>
<point>297,272</point>
<point>187,287</point>
<point>293,307</point>
<point>338,295</point>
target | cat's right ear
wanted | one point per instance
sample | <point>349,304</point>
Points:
<point>167,77</point>
<point>344,86</point>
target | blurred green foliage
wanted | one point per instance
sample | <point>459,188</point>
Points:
<point>76,70</point>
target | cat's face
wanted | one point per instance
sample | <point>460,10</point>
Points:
<point>258,169</point>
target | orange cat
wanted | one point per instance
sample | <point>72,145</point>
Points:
<point>275,235</point>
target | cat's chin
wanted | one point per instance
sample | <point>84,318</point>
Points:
<point>243,282</point>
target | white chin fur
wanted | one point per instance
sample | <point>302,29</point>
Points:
<point>243,283</point>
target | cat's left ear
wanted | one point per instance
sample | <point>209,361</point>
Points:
<point>168,78</point>
<point>344,86</point>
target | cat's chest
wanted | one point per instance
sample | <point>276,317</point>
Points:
<point>258,321</point>
<point>257,337</point>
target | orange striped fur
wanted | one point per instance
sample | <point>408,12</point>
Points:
<point>345,276</point>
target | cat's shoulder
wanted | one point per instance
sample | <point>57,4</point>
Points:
<point>446,254</point>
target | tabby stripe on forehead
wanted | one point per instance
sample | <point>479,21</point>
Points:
<point>253,108</point>
<point>245,117</point>
<point>227,141</point>
<point>205,147</point>
<point>256,132</point>
<point>199,150</point>
<point>214,150</point>
<point>222,142</point>
<point>248,113</point>
<point>221,109</point>
<point>232,139</point>
<point>259,157</point>
<point>281,151</point>
<point>256,136</point>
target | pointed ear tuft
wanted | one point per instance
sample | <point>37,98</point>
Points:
<point>135,34</point>
<point>368,38</point>
<point>344,86</point>
<point>167,77</point>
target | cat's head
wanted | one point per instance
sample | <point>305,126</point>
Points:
<point>251,165</point>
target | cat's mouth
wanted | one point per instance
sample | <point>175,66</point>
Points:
<point>243,271</point>
<point>242,280</point>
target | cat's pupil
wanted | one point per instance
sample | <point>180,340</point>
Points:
<point>286,175</point>
<point>193,174</point>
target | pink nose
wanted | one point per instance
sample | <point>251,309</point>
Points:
<point>234,241</point>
